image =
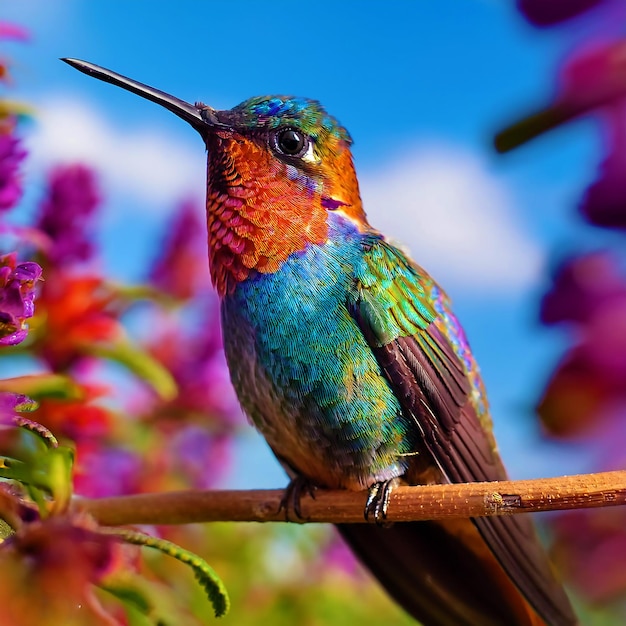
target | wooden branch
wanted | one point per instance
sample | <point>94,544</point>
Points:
<point>406,504</point>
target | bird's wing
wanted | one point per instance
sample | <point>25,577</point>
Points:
<point>424,355</point>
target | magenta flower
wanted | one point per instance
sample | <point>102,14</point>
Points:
<point>590,548</point>
<point>12,404</point>
<point>198,365</point>
<point>11,155</point>
<point>589,292</point>
<point>593,78</point>
<point>17,296</point>
<point>205,381</point>
<point>581,286</point>
<point>106,470</point>
<point>604,203</point>
<point>182,268</point>
<point>13,31</point>
<point>550,12</point>
<point>593,81</point>
<point>580,392</point>
<point>336,555</point>
<point>66,213</point>
<point>201,456</point>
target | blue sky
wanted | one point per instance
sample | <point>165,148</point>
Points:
<point>421,86</point>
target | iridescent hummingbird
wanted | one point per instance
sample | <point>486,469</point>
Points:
<point>346,356</point>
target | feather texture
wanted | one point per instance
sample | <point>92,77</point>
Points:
<point>430,369</point>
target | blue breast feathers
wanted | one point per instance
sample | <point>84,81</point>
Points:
<point>304,373</point>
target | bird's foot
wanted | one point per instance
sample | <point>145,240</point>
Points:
<point>293,494</point>
<point>378,500</point>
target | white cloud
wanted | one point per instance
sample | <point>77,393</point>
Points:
<point>457,219</point>
<point>39,13</point>
<point>154,169</point>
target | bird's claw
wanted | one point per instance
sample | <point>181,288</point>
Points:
<point>293,495</point>
<point>378,501</point>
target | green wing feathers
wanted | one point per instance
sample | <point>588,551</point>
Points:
<point>422,351</point>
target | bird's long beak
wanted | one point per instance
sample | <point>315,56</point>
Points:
<point>201,117</point>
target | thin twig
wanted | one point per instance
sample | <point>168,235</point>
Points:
<point>407,503</point>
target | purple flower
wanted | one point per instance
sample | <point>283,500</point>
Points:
<point>197,362</point>
<point>13,31</point>
<point>11,155</point>
<point>604,203</point>
<point>13,403</point>
<point>582,285</point>
<point>105,470</point>
<point>592,78</point>
<point>589,548</point>
<point>201,456</point>
<point>589,292</point>
<point>182,268</point>
<point>592,81</point>
<point>17,295</point>
<point>337,555</point>
<point>550,12</point>
<point>204,379</point>
<point>577,397</point>
<point>66,213</point>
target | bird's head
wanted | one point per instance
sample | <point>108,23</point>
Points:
<point>277,167</point>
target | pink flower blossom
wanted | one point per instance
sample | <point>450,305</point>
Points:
<point>604,202</point>
<point>13,403</point>
<point>106,470</point>
<point>66,213</point>
<point>580,286</point>
<point>11,155</point>
<point>589,293</point>
<point>201,456</point>
<point>13,31</point>
<point>590,547</point>
<point>183,266</point>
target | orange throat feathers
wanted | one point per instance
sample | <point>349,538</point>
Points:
<point>261,210</point>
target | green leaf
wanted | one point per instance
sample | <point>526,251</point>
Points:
<point>204,573</point>
<point>145,602</point>
<point>139,362</point>
<point>42,385</point>
<point>6,530</point>
<point>39,429</point>
<point>131,294</point>
<point>130,595</point>
<point>37,463</point>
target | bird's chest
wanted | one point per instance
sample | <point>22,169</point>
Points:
<point>305,375</point>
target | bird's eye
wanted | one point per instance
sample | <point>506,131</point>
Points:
<point>291,142</point>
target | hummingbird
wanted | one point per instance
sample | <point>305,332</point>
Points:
<point>345,354</point>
